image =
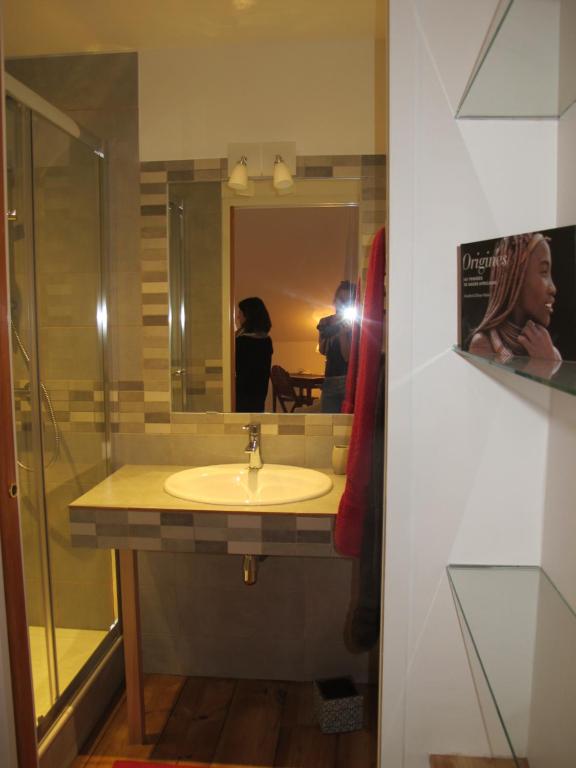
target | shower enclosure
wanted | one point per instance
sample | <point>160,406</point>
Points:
<point>58,321</point>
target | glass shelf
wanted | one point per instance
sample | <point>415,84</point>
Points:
<point>560,376</point>
<point>527,65</point>
<point>524,636</point>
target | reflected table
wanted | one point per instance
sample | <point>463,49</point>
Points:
<point>297,391</point>
<point>306,382</point>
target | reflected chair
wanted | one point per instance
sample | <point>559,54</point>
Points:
<point>284,392</point>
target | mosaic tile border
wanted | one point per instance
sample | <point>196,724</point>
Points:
<point>144,406</point>
<point>133,417</point>
<point>217,533</point>
<point>78,404</point>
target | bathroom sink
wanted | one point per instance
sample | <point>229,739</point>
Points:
<point>236,485</point>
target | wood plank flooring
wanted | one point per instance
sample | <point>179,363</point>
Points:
<point>197,721</point>
<point>220,722</point>
<point>111,742</point>
<point>452,761</point>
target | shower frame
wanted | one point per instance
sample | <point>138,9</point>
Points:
<point>37,454</point>
<point>10,535</point>
<point>33,103</point>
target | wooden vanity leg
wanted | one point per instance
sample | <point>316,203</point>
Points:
<point>132,646</point>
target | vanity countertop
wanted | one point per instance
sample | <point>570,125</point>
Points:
<point>141,487</point>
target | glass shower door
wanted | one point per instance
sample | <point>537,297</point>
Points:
<point>70,330</point>
<point>58,316</point>
<point>28,423</point>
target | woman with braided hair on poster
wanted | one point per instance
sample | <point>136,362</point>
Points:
<point>521,301</point>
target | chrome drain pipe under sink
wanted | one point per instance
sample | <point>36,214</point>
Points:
<point>250,568</point>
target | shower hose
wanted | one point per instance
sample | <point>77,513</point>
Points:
<point>46,397</point>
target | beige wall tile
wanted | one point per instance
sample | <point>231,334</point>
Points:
<point>161,652</point>
<point>225,628</point>
<point>318,451</point>
<point>159,608</point>
<point>69,563</point>
<point>284,449</point>
<point>81,82</point>
<point>318,430</point>
<point>125,299</point>
<point>126,353</point>
<point>156,568</point>
<point>68,300</point>
<point>80,459</point>
<point>260,611</point>
<point>34,599</point>
<point>75,606</point>
<point>66,350</point>
<point>258,657</point>
<point>124,254</point>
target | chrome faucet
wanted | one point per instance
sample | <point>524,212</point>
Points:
<point>253,447</point>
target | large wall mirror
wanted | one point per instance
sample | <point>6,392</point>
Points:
<point>262,295</point>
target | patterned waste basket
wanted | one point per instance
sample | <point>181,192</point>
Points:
<point>338,705</point>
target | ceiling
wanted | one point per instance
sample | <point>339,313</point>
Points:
<point>38,27</point>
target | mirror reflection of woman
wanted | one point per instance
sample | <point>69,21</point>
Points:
<point>253,355</point>
<point>335,338</point>
<point>521,302</point>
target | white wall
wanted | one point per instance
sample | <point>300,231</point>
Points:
<point>567,168</point>
<point>319,94</point>
<point>559,540</point>
<point>559,537</point>
<point>553,701</point>
<point>520,76</point>
<point>551,733</point>
<point>466,472</point>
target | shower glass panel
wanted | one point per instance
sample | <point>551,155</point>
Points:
<point>58,318</point>
<point>66,187</point>
<point>28,441</point>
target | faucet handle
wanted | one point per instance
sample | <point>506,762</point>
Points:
<point>253,429</point>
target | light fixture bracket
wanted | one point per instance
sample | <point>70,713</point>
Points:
<point>261,156</point>
<point>286,150</point>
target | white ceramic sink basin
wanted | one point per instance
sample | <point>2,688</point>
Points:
<point>236,485</point>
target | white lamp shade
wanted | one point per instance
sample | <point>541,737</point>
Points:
<point>239,176</point>
<point>282,178</point>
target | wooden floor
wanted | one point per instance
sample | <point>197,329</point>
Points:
<point>221,722</point>
<point>440,761</point>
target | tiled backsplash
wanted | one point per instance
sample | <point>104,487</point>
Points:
<point>78,404</point>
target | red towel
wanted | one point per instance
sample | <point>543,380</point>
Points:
<point>352,373</point>
<point>356,496</point>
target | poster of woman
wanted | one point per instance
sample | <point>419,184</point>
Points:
<point>518,296</point>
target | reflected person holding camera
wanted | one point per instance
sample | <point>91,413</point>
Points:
<point>335,337</point>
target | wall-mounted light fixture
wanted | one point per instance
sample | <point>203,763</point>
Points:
<point>266,160</point>
<point>281,178</point>
<point>239,177</point>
